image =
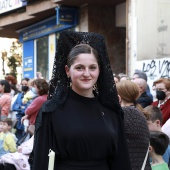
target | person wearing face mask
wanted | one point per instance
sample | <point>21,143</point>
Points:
<point>20,107</point>
<point>40,86</point>
<point>162,87</point>
<point>31,94</point>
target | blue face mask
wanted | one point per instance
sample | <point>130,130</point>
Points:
<point>33,89</point>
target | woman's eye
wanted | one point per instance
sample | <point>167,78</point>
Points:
<point>79,68</point>
<point>92,67</point>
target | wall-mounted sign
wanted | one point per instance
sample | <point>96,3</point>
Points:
<point>66,15</point>
<point>67,18</point>
<point>9,5</point>
<point>28,59</point>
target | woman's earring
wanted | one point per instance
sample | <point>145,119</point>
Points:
<point>95,87</point>
<point>68,82</point>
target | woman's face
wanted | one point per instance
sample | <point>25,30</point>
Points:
<point>36,88</point>
<point>25,86</point>
<point>161,87</point>
<point>84,73</point>
<point>24,83</point>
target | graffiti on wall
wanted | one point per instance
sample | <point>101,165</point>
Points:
<point>155,69</point>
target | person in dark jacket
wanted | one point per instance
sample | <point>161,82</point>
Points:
<point>141,74</point>
<point>144,100</point>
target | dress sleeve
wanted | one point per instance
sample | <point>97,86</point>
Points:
<point>121,160</point>
<point>33,107</point>
<point>44,140</point>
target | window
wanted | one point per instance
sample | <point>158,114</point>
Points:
<point>42,56</point>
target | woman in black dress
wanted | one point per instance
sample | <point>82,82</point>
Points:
<point>82,119</point>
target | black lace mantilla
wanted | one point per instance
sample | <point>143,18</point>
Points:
<point>59,82</point>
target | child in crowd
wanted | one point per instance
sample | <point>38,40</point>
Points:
<point>31,94</point>
<point>158,144</point>
<point>7,139</point>
<point>154,124</point>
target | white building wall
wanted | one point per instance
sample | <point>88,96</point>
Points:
<point>149,38</point>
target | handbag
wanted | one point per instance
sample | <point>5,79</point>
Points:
<point>31,129</point>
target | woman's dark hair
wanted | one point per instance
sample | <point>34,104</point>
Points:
<point>81,49</point>
<point>13,87</point>
<point>27,79</point>
<point>42,86</point>
<point>8,121</point>
<point>159,141</point>
<point>5,83</point>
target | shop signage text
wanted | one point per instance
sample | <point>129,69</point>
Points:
<point>9,5</point>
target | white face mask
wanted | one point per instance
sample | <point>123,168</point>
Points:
<point>33,89</point>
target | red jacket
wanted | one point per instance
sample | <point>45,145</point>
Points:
<point>165,108</point>
<point>33,109</point>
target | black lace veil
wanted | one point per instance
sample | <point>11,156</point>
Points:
<point>59,82</point>
<point>106,87</point>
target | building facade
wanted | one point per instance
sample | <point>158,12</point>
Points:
<point>36,23</point>
<point>136,31</point>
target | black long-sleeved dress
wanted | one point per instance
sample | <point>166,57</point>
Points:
<point>84,135</point>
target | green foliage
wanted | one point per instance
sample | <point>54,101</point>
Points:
<point>15,60</point>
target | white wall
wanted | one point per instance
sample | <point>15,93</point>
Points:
<point>152,37</point>
<point>153,29</point>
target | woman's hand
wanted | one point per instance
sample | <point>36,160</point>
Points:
<point>23,118</point>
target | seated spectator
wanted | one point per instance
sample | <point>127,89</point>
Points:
<point>7,139</point>
<point>158,144</point>
<point>141,74</point>
<point>144,100</point>
<point>162,87</point>
<point>154,124</point>
<point>19,159</point>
